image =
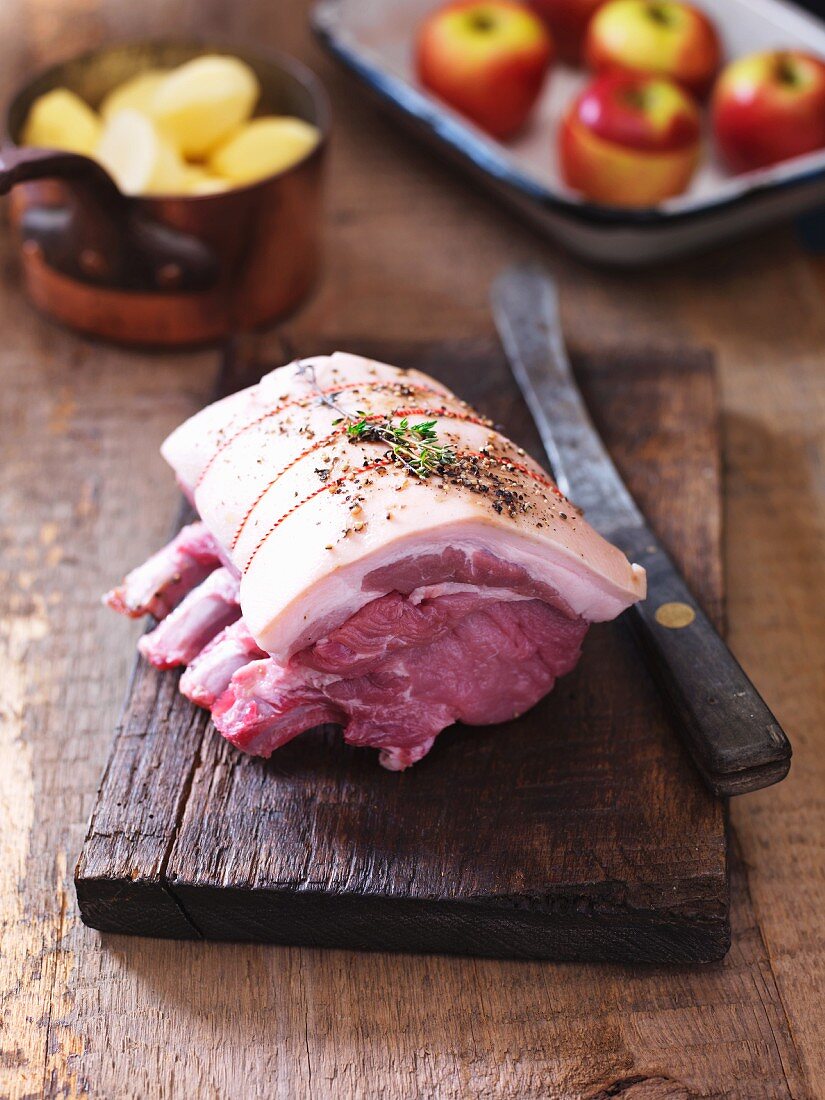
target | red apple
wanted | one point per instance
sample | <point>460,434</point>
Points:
<point>567,20</point>
<point>630,140</point>
<point>659,37</point>
<point>769,107</point>
<point>487,59</point>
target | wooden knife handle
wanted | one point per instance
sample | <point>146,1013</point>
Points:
<point>735,740</point>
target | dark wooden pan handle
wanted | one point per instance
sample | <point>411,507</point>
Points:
<point>101,236</point>
<point>19,164</point>
<point>735,740</point>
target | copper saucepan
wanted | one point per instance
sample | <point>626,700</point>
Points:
<point>164,270</point>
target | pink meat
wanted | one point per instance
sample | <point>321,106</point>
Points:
<point>391,604</point>
<point>460,566</point>
<point>398,672</point>
<point>158,585</point>
<point>267,705</point>
<point>209,673</point>
<point>202,614</point>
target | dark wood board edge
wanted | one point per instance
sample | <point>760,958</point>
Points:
<point>140,908</point>
<point>580,931</point>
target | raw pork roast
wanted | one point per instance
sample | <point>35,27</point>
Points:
<point>352,567</point>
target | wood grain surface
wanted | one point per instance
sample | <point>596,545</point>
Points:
<point>579,832</point>
<point>410,250</point>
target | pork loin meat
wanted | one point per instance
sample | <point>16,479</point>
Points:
<point>389,598</point>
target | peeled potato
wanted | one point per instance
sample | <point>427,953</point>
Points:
<point>140,159</point>
<point>197,181</point>
<point>133,94</point>
<point>61,120</point>
<point>262,147</point>
<point>200,103</point>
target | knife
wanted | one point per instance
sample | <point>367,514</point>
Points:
<point>733,737</point>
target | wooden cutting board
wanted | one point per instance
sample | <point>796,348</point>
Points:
<point>580,831</point>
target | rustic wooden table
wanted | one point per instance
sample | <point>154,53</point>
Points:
<point>410,251</point>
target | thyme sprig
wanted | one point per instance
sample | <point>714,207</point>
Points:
<point>413,446</point>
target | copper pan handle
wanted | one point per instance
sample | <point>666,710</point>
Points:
<point>101,236</point>
<point>22,165</point>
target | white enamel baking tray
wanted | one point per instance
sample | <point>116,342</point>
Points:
<point>374,39</point>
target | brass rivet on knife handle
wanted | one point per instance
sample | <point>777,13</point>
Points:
<point>675,615</point>
<point>734,739</point>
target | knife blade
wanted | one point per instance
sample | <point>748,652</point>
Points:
<point>734,739</point>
